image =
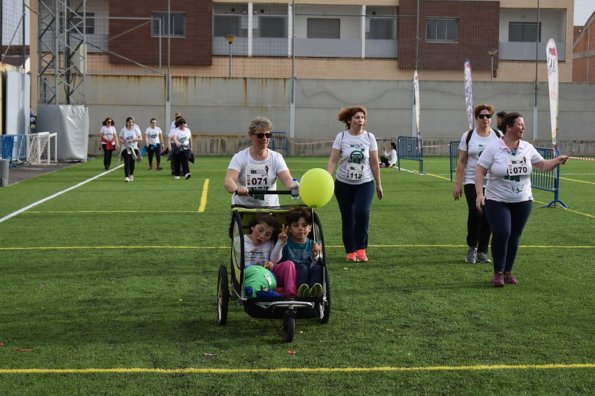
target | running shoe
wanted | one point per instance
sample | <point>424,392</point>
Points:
<point>498,279</point>
<point>471,256</point>
<point>361,255</point>
<point>509,279</point>
<point>351,257</point>
<point>483,258</point>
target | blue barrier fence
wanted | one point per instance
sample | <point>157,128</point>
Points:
<point>546,181</point>
<point>14,149</point>
<point>410,148</point>
<point>279,142</point>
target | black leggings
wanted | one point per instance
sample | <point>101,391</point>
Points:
<point>478,227</point>
<point>107,156</point>
<point>507,221</point>
<point>128,163</point>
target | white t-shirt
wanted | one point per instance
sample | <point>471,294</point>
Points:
<point>391,156</point>
<point>501,162</point>
<point>260,254</point>
<point>127,136</point>
<point>476,145</point>
<point>257,175</point>
<point>354,163</point>
<point>153,135</point>
<point>184,136</point>
<point>108,133</point>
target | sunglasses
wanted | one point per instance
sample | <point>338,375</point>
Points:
<point>484,116</point>
<point>263,135</point>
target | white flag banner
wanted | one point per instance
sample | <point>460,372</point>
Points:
<point>416,99</point>
<point>469,94</point>
<point>552,78</point>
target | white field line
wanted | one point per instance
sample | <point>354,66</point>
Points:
<point>34,204</point>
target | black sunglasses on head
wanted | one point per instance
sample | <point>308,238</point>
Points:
<point>482,116</point>
<point>263,135</point>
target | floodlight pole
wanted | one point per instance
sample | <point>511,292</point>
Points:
<point>230,39</point>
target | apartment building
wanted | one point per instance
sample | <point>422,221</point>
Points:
<point>584,53</point>
<point>331,39</point>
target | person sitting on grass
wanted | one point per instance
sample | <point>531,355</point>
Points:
<point>262,270</point>
<point>304,253</point>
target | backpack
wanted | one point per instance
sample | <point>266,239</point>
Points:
<point>470,132</point>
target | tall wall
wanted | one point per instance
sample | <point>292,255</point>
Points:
<point>218,111</point>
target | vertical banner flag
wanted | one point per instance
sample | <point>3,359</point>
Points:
<point>552,78</point>
<point>416,100</point>
<point>469,93</point>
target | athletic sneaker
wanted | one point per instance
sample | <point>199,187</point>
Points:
<point>303,290</point>
<point>509,279</point>
<point>187,176</point>
<point>177,177</point>
<point>498,279</point>
<point>131,178</point>
<point>126,179</point>
<point>351,257</point>
<point>483,258</point>
<point>361,255</point>
<point>471,256</point>
<point>316,291</point>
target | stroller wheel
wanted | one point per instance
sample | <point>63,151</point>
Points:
<point>288,326</point>
<point>222,295</point>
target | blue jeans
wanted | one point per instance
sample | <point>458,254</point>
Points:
<point>507,221</point>
<point>354,203</point>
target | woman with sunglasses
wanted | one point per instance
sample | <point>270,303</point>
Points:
<point>257,168</point>
<point>109,141</point>
<point>470,148</point>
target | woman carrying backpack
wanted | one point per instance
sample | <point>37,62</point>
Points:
<point>470,148</point>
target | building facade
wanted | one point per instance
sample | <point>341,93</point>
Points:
<point>583,63</point>
<point>331,39</point>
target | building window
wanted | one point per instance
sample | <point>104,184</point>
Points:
<point>442,30</point>
<point>227,24</point>
<point>324,28</point>
<point>177,27</point>
<point>526,32</point>
<point>381,29</point>
<point>77,22</point>
<point>273,26</point>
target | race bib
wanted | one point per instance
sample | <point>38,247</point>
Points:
<point>518,166</point>
<point>257,179</point>
<point>355,172</point>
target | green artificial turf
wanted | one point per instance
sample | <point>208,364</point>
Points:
<point>121,276</point>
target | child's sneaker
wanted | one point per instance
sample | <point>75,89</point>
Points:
<point>351,257</point>
<point>498,279</point>
<point>303,290</point>
<point>316,291</point>
<point>509,279</point>
<point>361,255</point>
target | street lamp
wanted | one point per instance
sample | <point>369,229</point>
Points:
<point>230,39</point>
<point>492,52</point>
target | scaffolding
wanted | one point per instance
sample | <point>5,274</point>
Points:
<point>62,51</point>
